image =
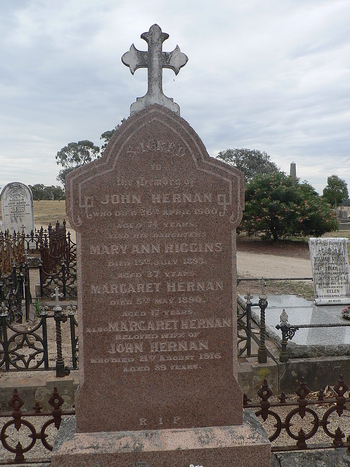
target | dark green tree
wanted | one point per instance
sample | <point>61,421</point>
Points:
<point>61,177</point>
<point>41,191</point>
<point>107,135</point>
<point>336,191</point>
<point>75,155</point>
<point>278,206</point>
<point>250,161</point>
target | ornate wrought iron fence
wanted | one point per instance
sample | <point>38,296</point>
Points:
<point>23,350</point>
<point>14,288</point>
<point>64,278</point>
<point>56,251</point>
<point>244,328</point>
<point>311,421</point>
<point>305,419</point>
<point>58,266</point>
<point>244,319</point>
<point>12,251</point>
<point>21,431</point>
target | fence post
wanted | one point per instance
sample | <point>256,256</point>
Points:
<point>19,296</point>
<point>3,327</point>
<point>27,294</point>
<point>63,268</point>
<point>262,351</point>
<point>41,279</point>
<point>43,315</point>
<point>288,332</point>
<point>249,323</point>
<point>73,339</point>
<point>61,371</point>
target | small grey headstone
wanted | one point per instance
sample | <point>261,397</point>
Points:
<point>330,270</point>
<point>17,208</point>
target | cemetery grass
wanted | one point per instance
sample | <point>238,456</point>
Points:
<point>48,212</point>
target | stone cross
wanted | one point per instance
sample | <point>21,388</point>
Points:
<point>57,295</point>
<point>155,60</point>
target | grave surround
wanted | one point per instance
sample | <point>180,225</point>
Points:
<point>17,208</point>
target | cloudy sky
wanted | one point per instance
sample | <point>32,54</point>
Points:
<point>272,75</point>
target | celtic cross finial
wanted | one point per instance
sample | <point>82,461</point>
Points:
<point>57,295</point>
<point>155,60</point>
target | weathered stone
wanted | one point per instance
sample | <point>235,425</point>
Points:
<point>244,445</point>
<point>154,60</point>
<point>155,221</point>
<point>17,208</point>
<point>320,458</point>
<point>330,269</point>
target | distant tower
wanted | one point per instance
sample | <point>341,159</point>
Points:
<point>293,170</point>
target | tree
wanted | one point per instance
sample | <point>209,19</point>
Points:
<point>107,135</point>
<point>75,155</point>
<point>278,206</point>
<point>250,161</point>
<point>336,190</point>
<point>41,191</point>
<point>61,177</point>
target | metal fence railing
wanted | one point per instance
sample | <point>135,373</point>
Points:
<point>301,421</point>
<point>30,349</point>
<point>309,421</point>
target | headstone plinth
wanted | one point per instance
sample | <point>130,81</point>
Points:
<point>243,445</point>
<point>155,220</point>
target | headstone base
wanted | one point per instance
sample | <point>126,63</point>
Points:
<point>332,301</point>
<point>243,445</point>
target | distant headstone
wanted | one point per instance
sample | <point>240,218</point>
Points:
<point>330,269</point>
<point>17,208</point>
<point>155,220</point>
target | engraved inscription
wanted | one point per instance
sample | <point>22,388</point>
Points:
<point>330,268</point>
<point>160,287</point>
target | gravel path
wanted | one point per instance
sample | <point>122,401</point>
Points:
<point>263,265</point>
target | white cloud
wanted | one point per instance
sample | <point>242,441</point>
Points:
<point>267,75</point>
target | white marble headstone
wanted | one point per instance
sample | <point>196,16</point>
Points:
<point>330,270</point>
<point>17,208</point>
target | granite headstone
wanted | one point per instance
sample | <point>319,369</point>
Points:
<point>330,269</point>
<point>17,208</point>
<point>155,220</point>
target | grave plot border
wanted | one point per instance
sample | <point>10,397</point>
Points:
<point>319,406</point>
<point>302,406</point>
<point>32,421</point>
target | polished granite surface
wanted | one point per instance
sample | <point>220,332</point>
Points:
<point>301,311</point>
